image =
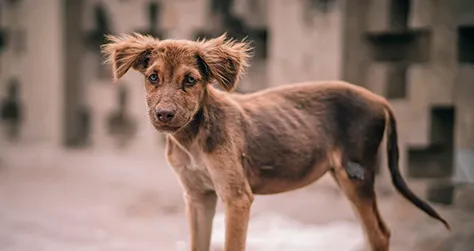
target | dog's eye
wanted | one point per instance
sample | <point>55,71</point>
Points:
<point>189,81</point>
<point>153,78</point>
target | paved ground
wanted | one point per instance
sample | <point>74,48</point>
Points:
<point>55,200</point>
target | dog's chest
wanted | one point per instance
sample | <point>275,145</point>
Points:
<point>198,176</point>
<point>191,169</point>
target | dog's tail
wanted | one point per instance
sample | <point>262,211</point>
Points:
<point>397,179</point>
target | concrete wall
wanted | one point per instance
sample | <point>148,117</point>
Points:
<point>306,42</point>
<point>437,82</point>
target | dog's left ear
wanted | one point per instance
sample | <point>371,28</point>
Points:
<point>226,60</point>
<point>128,51</point>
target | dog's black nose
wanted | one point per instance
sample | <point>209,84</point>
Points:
<point>164,115</point>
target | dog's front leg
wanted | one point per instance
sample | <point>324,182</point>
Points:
<point>234,190</point>
<point>200,208</point>
<point>237,213</point>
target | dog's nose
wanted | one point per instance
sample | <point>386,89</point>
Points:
<point>164,115</point>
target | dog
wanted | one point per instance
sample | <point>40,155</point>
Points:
<point>232,146</point>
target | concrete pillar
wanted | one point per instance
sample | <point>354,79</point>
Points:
<point>184,26</point>
<point>39,68</point>
<point>73,81</point>
<point>354,49</point>
<point>464,126</point>
<point>306,42</point>
<point>101,93</point>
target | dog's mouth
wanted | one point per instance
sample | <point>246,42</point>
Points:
<point>168,127</point>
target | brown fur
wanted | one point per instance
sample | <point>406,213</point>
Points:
<point>233,146</point>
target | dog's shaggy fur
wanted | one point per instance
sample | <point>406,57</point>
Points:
<point>233,146</point>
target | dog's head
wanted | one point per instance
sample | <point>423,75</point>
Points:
<point>177,72</point>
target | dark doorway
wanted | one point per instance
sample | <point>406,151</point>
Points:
<point>436,160</point>
<point>466,44</point>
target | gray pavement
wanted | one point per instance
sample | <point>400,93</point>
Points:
<point>55,199</point>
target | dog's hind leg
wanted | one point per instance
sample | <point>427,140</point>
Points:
<point>361,194</point>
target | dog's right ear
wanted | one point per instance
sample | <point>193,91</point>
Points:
<point>128,51</point>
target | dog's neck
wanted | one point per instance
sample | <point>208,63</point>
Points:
<point>206,128</point>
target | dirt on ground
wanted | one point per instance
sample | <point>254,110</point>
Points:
<point>56,199</point>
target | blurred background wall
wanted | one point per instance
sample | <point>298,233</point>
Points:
<point>417,53</point>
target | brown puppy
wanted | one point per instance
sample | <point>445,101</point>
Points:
<point>233,146</point>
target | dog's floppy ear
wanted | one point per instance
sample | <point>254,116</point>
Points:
<point>226,60</point>
<point>128,51</point>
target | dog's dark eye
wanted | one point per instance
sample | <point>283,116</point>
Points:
<point>153,78</point>
<point>189,81</point>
